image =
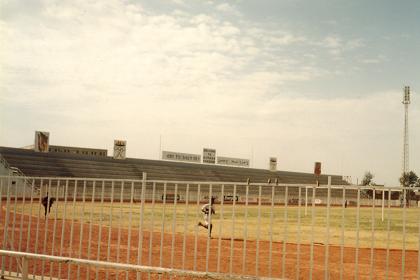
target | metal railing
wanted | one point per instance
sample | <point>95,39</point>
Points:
<point>26,257</point>
<point>14,172</point>
<point>142,229</point>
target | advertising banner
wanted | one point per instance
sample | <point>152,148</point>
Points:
<point>273,164</point>
<point>233,161</point>
<point>41,141</point>
<point>209,156</point>
<point>120,147</point>
<point>317,168</point>
<point>167,155</point>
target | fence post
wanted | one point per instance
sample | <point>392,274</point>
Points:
<point>306,200</point>
<point>25,268</point>
<point>142,197</point>
<point>327,234</point>
<point>383,204</point>
<point>6,225</point>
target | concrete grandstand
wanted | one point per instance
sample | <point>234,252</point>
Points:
<point>76,165</point>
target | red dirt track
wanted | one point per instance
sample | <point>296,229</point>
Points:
<point>70,272</point>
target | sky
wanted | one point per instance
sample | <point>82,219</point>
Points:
<point>302,81</point>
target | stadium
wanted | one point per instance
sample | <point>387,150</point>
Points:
<point>248,123</point>
<point>130,218</point>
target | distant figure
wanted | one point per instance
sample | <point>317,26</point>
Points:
<point>345,204</point>
<point>208,209</point>
<point>47,203</point>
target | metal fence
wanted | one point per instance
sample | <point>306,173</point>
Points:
<point>145,229</point>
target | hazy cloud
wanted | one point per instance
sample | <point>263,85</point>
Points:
<point>227,8</point>
<point>103,70</point>
<point>179,2</point>
<point>337,45</point>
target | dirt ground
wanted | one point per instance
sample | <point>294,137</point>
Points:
<point>98,250</point>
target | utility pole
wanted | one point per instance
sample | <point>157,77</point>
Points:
<point>406,102</point>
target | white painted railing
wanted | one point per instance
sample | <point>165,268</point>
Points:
<point>103,228</point>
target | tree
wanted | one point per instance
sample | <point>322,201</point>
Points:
<point>409,180</point>
<point>367,179</point>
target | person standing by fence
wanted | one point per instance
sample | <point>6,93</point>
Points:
<point>47,202</point>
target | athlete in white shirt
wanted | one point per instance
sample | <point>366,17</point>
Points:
<point>208,210</point>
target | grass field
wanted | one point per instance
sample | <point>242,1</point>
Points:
<point>186,218</point>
